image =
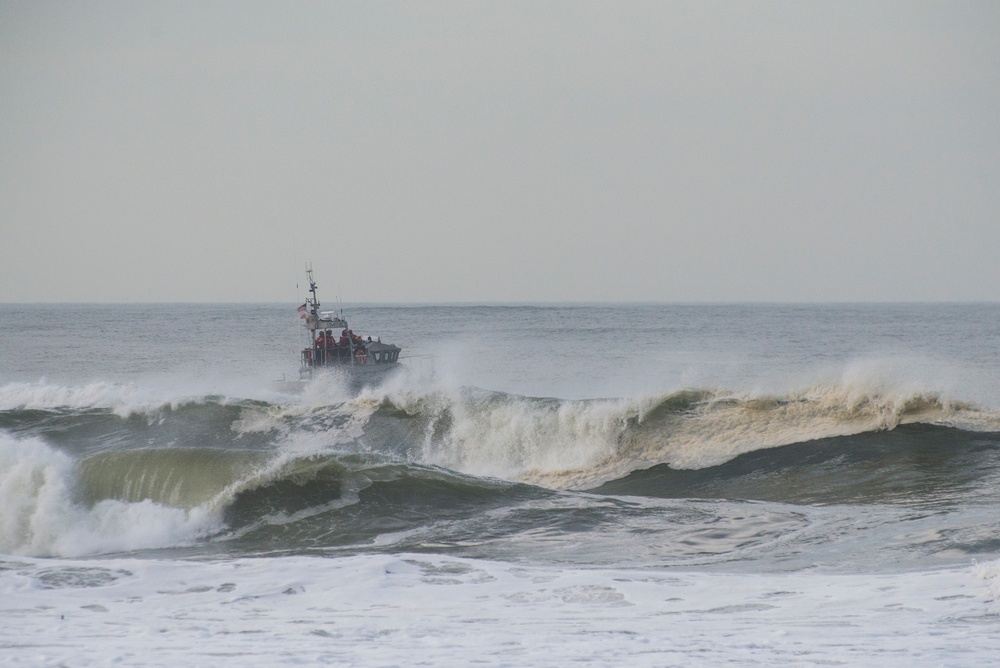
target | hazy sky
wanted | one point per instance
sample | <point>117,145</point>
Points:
<point>501,151</point>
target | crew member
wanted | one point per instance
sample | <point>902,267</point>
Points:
<point>321,348</point>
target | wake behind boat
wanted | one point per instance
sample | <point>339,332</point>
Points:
<point>334,346</point>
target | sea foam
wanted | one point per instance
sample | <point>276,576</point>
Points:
<point>381,609</point>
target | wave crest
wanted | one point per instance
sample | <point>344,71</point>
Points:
<point>579,444</point>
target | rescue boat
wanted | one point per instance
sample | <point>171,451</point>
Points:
<point>335,347</point>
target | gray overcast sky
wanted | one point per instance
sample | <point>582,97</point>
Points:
<point>501,151</point>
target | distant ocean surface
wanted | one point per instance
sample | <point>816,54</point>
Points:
<point>642,485</point>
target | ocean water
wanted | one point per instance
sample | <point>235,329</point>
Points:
<point>643,485</point>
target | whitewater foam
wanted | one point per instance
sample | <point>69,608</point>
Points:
<point>989,573</point>
<point>510,437</point>
<point>382,609</point>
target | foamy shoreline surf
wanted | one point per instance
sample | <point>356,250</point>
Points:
<point>384,609</point>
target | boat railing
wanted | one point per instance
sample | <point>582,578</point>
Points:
<point>323,356</point>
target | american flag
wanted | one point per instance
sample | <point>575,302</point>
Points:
<point>302,311</point>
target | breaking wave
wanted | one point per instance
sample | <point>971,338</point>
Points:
<point>106,468</point>
<point>579,444</point>
<point>42,514</point>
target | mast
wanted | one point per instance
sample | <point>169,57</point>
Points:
<point>313,320</point>
<point>314,302</point>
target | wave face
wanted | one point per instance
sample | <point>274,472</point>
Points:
<point>104,468</point>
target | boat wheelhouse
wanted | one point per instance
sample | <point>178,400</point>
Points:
<point>333,345</point>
